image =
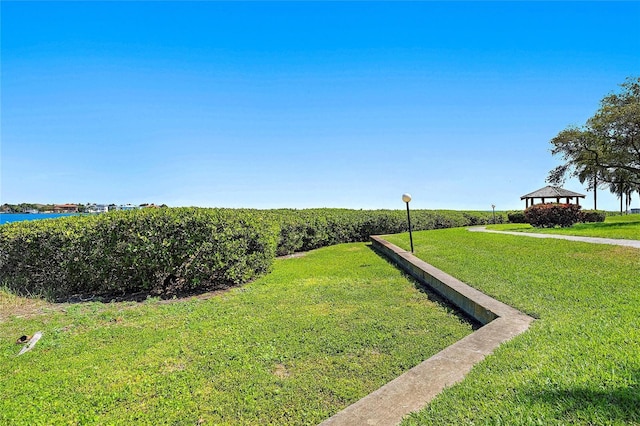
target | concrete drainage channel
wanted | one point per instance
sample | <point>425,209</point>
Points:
<point>414,389</point>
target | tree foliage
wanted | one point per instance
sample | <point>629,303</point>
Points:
<point>606,150</point>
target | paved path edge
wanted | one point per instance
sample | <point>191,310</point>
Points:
<point>593,240</point>
<point>414,389</point>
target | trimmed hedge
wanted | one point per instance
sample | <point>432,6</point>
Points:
<point>592,216</point>
<point>303,230</point>
<point>170,251</point>
<point>161,251</point>
<point>517,217</point>
<point>552,215</point>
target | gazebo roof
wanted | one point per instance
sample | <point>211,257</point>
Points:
<point>552,192</point>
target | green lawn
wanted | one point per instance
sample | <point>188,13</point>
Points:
<point>293,347</point>
<point>579,363</point>
<point>624,227</point>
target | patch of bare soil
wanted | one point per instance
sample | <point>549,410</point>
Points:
<point>143,296</point>
<point>23,307</point>
<point>293,256</point>
<point>281,372</point>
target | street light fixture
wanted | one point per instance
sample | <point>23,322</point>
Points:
<point>406,198</point>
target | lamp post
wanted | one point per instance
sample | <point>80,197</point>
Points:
<point>406,198</point>
<point>493,207</point>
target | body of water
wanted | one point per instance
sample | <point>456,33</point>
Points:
<point>18,217</point>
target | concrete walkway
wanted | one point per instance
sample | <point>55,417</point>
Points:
<point>594,240</point>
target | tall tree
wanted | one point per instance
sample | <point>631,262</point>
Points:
<point>607,143</point>
<point>617,125</point>
<point>621,186</point>
<point>578,148</point>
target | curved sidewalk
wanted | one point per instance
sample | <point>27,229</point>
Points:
<point>595,240</point>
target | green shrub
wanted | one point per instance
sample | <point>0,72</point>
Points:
<point>162,251</point>
<point>592,216</point>
<point>517,217</point>
<point>302,230</point>
<point>474,218</point>
<point>551,215</point>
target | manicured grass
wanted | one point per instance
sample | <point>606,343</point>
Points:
<point>623,218</point>
<point>579,363</point>
<point>293,347</point>
<point>624,227</point>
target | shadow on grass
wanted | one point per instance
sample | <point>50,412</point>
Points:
<point>143,296</point>
<point>621,405</point>
<point>430,293</point>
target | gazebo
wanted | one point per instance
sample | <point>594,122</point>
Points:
<point>552,193</point>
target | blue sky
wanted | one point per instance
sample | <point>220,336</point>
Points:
<point>301,104</point>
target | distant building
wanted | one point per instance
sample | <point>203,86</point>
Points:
<point>65,208</point>
<point>97,208</point>
<point>126,207</point>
